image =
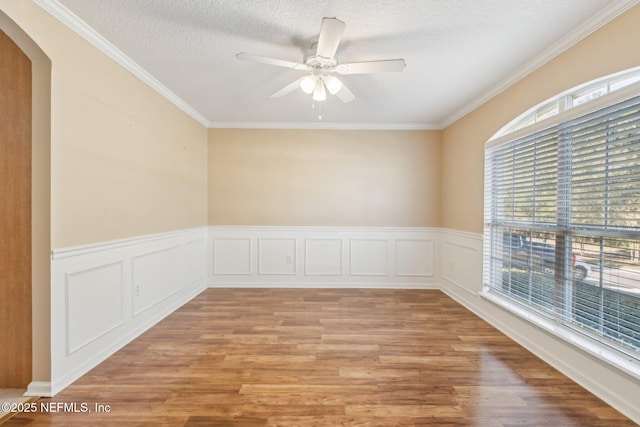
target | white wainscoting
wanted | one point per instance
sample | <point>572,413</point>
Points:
<point>462,260</point>
<point>104,295</point>
<point>462,280</point>
<point>323,257</point>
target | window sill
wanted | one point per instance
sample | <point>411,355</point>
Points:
<point>617,359</point>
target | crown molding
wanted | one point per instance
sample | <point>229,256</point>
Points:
<point>80,27</point>
<point>69,19</point>
<point>324,125</point>
<point>606,15</point>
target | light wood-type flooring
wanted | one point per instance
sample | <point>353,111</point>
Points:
<point>325,357</point>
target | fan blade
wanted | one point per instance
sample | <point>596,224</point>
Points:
<point>345,95</point>
<point>367,67</point>
<point>330,34</point>
<point>288,89</point>
<point>272,61</point>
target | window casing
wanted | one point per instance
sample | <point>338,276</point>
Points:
<point>572,98</point>
<point>562,219</point>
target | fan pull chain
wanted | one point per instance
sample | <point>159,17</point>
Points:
<point>313,106</point>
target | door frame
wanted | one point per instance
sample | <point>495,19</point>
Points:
<point>40,205</point>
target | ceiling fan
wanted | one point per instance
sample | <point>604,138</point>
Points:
<point>322,66</point>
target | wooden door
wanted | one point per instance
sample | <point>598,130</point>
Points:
<point>15,215</point>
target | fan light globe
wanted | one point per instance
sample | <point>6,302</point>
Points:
<point>307,84</point>
<point>333,84</point>
<point>319,93</point>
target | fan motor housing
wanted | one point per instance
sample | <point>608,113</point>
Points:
<point>317,61</point>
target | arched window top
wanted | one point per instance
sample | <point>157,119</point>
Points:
<point>571,98</point>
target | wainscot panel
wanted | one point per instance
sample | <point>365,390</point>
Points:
<point>104,295</point>
<point>323,257</point>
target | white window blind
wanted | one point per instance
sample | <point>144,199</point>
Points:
<point>562,222</point>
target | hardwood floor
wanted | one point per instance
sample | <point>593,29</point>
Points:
<point>295,357</point>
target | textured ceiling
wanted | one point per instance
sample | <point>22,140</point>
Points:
<point>457,52</point>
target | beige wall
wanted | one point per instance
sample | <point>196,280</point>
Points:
<point>124,161</point>
<point>111,157</point>
<point>324,178</point>
<point>613,48</point>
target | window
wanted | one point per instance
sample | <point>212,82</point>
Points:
<point>572,98</point>
<point>562,216</point>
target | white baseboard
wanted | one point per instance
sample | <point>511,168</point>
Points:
<point>39,389</point>
<point>328,285</point>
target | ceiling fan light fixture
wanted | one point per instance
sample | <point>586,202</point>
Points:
<point>333,84</point>
<point>319,92</point>
<point>321,64</point>
<point>308,84</point>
